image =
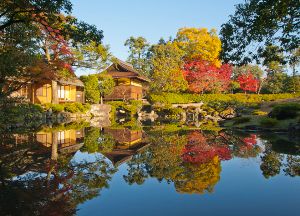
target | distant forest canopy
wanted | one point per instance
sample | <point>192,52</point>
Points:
<point>256,47</point>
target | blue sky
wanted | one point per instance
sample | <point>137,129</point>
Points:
<point>152,19</point>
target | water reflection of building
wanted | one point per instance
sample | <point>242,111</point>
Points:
<point>67,141</point>
<point>128,143</point>
<point>35,151</point>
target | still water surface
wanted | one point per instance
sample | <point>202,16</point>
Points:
<point>148,171</point>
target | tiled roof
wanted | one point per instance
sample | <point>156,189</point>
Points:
<point>123,69</point>
<point>71,81</point>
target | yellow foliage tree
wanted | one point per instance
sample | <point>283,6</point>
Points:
<point>200,44</point>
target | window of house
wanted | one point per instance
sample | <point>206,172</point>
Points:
<point>61,91</point>
<point>61,137</point>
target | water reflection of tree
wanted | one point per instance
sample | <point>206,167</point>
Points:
<point>192,161</point>
<point>33,184</point>
<point>137,170</point>
<point>292,166</point>
<point>96,141</point>
<point>242,145</point>
<point>281,154</point>
<point>271,162</point>
<point>164,161</point>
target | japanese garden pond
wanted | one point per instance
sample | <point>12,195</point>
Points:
<point>148,171</point>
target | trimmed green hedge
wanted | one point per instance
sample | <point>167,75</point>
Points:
<point>174,98</point>
<point>68,107</point>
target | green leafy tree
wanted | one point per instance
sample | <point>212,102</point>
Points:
<point>295,81</point>
<point>92,56</point>
<point>35,42</point>
<point>138,54</point>
<point>258,23</point>
<point>24,11</point>
<point>276,78</point>
<point>292,84</point>
<point>166,73</point>
<point>92,92</point>
<point>106,85</point>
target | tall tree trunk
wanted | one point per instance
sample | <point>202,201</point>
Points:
<point>54,92</point>
<point>54,154</point>
<point>294,77</point>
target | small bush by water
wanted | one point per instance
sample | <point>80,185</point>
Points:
<point>285,111</point>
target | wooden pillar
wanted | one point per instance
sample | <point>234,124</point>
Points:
<point>54,92</point>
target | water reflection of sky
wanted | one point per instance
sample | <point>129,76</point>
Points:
<point>242,190</point>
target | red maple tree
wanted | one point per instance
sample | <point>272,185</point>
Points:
<point>248,82</point>
<point>204,77</point>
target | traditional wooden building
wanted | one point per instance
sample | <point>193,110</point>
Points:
<point>129,83</point>
<point>53,91</point>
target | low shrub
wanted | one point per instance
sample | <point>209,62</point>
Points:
<point>285,111</point>
<point>24,113</point>
<point>87,107</point>
<point>241,120</point>
<point>68,107</point>
<point>71,107</point>
<point>268,122</point>
<point>55,107</point>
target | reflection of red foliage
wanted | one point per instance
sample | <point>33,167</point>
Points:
<point>223,152</point>
<point>197,153</point>
<point>250,140</point>
<point>196,138</point>
<point>198,149</point>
